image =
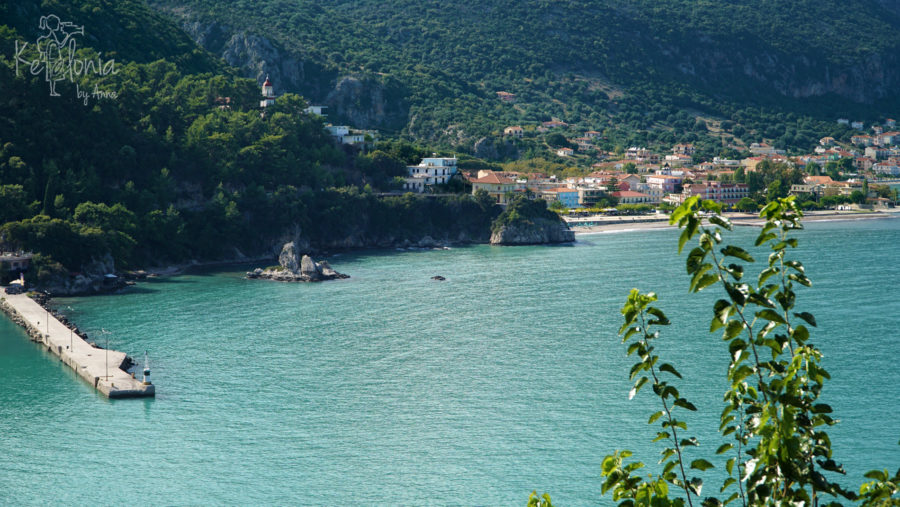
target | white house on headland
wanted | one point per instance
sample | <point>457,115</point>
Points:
<point>317,110</point>
<point>345,135</point>
<point>430,171</point>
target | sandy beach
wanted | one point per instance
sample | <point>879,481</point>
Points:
<point>606,224</point>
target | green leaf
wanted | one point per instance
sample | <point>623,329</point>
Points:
<point>735,293</point>
<point>666,454</point>
<point>660,320</point>
<point>721,222</point>
<point>654,417</point>
<point>771,316</point>
<point>733,329</point>
<point>701,464</point>
<point>661,435</point>
<point>668,467</point>
<point>764,238</point>
<point>800,334</point>
<point>808,317</point>
<point>637,387</point>
<point>740,253</point>
<point>724,448</point>
<point>766,273</point>
<point>760,300</point>
<point>683,239</point>
<point>666,367</point>
<point>729,465</point>
<point>877,475</point>
<point>821,408</point>
<point>689,442</point>
<point>695,260</point>
<point>705,282</point>
<point>685,404</point>
<point>728,482</point>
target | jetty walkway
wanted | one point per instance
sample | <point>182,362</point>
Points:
<point>99,367</point>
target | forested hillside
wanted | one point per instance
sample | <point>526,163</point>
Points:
<point>624,66</point>
<point>162,154</point>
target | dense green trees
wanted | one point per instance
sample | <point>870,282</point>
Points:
<point>183,164</point>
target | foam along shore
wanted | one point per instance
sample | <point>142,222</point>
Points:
<point>99,367</point>
<point>601,224</point>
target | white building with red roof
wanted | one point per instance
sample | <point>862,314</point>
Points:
<point>496,186</point>
<point>632,197</point>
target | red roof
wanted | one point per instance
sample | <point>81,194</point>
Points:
<point>267,83</point>
<point>493,179</point>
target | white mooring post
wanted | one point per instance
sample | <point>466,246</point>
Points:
<point>146,369</point>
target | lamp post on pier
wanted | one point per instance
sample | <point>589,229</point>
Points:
<point>71,333</point>
<point>104,331</point>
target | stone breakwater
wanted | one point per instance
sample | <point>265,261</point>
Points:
<point>103,369</point>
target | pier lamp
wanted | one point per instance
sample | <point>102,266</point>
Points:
<point>103,331</point>
<point>71,333</point>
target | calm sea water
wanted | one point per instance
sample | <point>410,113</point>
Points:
<point>390,388</point>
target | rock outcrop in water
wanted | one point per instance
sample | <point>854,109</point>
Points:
<point>528,222</point>
<point>539,231</point>
<point>296,267</point>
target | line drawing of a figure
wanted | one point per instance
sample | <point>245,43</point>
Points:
<point>51,47</point>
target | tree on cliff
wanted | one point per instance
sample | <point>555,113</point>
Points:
<point>523,211</point>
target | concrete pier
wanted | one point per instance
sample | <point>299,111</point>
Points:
<point>99,367</point>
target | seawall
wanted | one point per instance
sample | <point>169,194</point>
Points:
<point>101,368</point>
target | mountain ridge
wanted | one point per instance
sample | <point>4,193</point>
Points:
<point>446,60</point>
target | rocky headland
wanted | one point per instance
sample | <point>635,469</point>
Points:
<point>538,231</point>
<point>529,222</point>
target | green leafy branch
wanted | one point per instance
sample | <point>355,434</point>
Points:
<point>640,317</point>
<point>782,453</point>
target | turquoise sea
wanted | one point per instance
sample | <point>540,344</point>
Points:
<point>390,388</point>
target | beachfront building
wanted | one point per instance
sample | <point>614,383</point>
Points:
<point>565,195</point>
<point>723,193</point>
<point>588,197</point>
<point>430,171</point>
<point>632,197</point>
<point>660,185</point>
<point>495,185</point>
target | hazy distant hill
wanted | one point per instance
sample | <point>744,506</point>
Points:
<point>432,68</point>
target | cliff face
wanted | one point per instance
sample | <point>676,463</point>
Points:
<point>361,101</point>
<point>540,231</point>
<point>795,76</point>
